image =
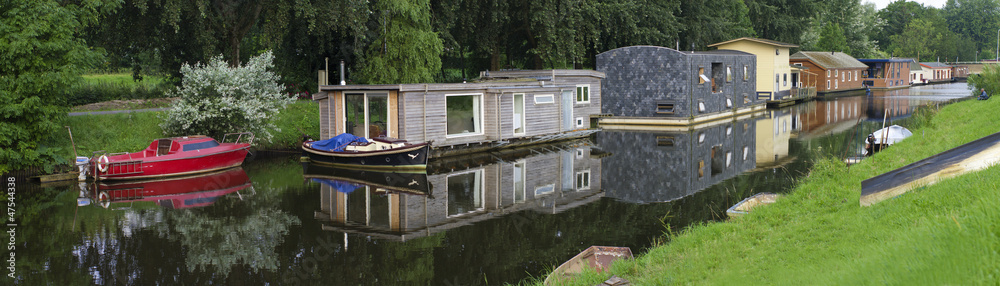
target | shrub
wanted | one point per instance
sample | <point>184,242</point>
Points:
<point>988,79</point>
<point>216,99</point>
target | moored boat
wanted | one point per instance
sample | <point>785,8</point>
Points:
<point>885,137</point>
<point>173,157</point>
<point>598,258</point>
<point>173,192</point>
<point>349,151</point>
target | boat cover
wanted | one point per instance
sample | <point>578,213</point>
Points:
<point>337,143</point>
<point>340,186</point>
<point>895,134</point>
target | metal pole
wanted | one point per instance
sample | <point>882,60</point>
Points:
<point>997,52</point>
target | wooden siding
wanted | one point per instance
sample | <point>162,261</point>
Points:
<point>393,123</point>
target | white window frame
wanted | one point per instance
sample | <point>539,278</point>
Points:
<point>523,117</point>
<point>578,88</point>
<point>544,190</point>
<point>523,184</point>
<point>481,188</point>
<point>582,176</point>
<point>545,99</point>
<point>480,114</point>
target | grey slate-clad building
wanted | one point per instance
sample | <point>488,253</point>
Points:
<point>658,82</point>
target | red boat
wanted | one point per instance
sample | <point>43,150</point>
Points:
<point>172,157</point>
<point>174,192</point>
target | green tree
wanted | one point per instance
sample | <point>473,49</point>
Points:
<point>894,18</point>
<point>976,19</point>
<point>41,54</point>
<point>781,20</point>
<point>708,22</point>
<point>216,98</point>
<point>832,39</point>
<point>988,79</point>
<point>914,41</point>
<point>406,50</point>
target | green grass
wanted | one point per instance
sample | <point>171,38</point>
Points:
<point>123,78</point>
<point>119,86</point>
<point>945,233</point>
<point>130,132</point>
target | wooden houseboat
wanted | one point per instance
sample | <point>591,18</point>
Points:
<point>772,62</point>
<point>835,71</point>
<point>504,109</point>
<point>648,85</point>
<point>545,179</point>
<point>959,72</point>
<point>937,72</point>
<point>886,73</point>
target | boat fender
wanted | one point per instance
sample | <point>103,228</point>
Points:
<point>102,163</point>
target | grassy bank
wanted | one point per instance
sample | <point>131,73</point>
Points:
<point>117,86</point>
<point>940,234</point>
<point>134,131</point>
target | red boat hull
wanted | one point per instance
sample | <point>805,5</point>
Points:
<point>175,192</point>
<point>147,164</point>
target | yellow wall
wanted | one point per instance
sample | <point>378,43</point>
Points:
<point>768,64</point>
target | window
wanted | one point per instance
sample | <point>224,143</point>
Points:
<point>784,79</point>
<point>366,114</point>
<point>848,75</point>
<point>579,122</point>
<point>827,73</point>
<point>518,113</point>
<point>746,150</point>
<point>827,84</point>
<point>701,168</point>
<point>665,107</point>
<point>701,106</point>
<point>583,93</point>
<point>664,140</point>
<point>465,193</point>
<point>583,180</point>
<point>545,189</point>
<point>746,75</point>
<point>701,76</point>
<point>544,98</point>
<point>729,74</point>
<point>836,72</point>
<point>519,178</point>
<point>717,77</point>
<point>464,114</point>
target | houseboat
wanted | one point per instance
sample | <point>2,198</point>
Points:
<point>503,109</point>
<point>886,73</point>
<point>648,85</point>
<point>937,72</point>
<point>772,62</point>
<point>917,74</point>
<point>835,71</point>
<point>959,72</point>
<point>546,179</point>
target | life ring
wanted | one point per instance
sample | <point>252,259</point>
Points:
<point>104,199</point>
<point>102,163</point>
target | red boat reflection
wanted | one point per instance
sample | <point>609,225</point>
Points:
<point>175,192</point>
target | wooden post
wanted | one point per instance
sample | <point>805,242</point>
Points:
<point>72,144</point>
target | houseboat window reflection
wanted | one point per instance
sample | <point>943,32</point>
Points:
<point>583,180</point>
<point>465,193</point>
<point>545,189</point>
<point>464,114</point>
<point>519,189</point>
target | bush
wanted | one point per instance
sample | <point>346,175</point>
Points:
<point>91,92</point>
<point>216,99</point>
<point>988,79</point>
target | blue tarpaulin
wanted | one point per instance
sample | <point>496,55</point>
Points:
<point>340,186</point>
<point>338,142</point>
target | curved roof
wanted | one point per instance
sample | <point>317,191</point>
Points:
<point>828,60</point>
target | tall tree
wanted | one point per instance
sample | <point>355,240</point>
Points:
<point>976,19</point>
<point>781,20</point>
<point>406,50</point>
<point>914,41</point>
<point>832,39</point>
<point>41,54</point>
<point>892,20</point>
<point>708,22</point>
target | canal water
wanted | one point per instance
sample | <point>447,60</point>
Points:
<point>487,219</point>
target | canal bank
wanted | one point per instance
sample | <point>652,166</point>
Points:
<point>818,234</point>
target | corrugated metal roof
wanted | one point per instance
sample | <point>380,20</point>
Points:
<point>758,40</point>
<point>829,60</point>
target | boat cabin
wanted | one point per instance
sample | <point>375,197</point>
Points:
<point>167,146</point>
<point>502,109</point>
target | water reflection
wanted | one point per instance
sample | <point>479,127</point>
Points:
<point>662,166</point>
<point>455,193</point>
<point>172,192</point>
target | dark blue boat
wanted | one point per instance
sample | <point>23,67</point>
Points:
<point>380,153</point>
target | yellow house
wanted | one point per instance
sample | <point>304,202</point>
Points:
<point>774,75</point>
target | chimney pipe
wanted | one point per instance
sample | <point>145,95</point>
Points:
<point>342,82</point>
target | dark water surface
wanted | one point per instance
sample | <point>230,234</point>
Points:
<point>488,219</point>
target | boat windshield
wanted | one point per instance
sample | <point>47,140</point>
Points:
<point>200,145</point>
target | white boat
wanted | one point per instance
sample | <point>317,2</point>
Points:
<point>885,137</point>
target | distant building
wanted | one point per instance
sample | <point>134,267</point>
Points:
<point>959,72</point>
<point>937,72</point>
<point>657,85</point>
<point>917,73</point>
<point>835,71</point>
<point>772,63</point>
<point>887,73</point>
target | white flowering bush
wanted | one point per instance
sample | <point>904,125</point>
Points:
<point>216,99</point>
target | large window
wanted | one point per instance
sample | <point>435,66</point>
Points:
<point>583,93</point>
<point>367,114</point>
<point>464,114</point>
<point>465,193</point>
<point>520,172</point>
<point>518,113</point>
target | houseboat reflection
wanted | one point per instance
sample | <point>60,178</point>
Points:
<point>662,166</point>
<point>547,179</point>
